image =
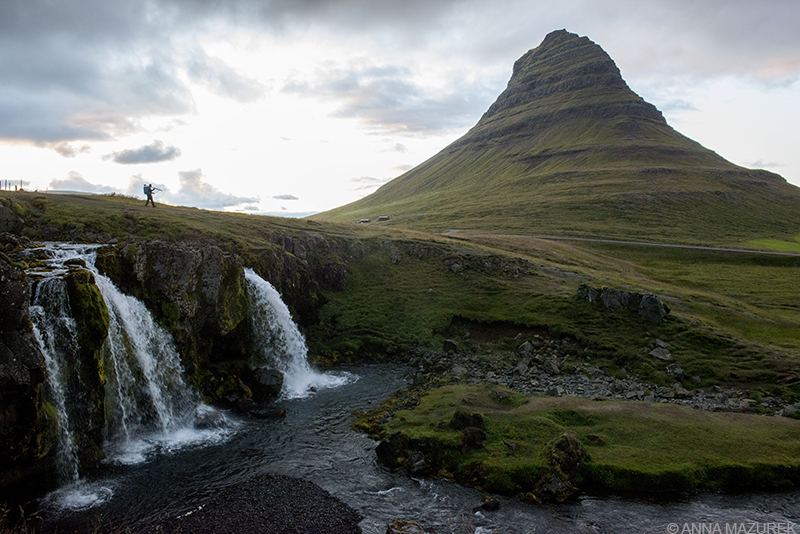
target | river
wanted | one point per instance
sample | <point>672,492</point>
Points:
<point>314,442</point>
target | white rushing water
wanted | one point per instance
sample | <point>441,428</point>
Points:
<point>282,346</point>
<point>149,406</point>
<point>55,332</point>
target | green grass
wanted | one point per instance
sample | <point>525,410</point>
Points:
<point>633,446</point>
<point>777,244</point>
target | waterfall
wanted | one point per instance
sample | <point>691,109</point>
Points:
<point>149,406</point>
<point>55,332</point>
<point>146,394</point>
<point>281,345</point>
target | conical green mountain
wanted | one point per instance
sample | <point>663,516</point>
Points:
<point>569,149</point>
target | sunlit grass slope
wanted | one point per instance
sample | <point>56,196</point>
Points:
<point>569,149</point>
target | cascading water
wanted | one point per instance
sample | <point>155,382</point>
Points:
<point>149,406</point>
<point>148,402</point>
<point>55,332</point>
<point>281,345</point>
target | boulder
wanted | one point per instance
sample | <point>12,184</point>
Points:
<point>450,345</point>
<point>393,449</point>
<point>653,309</point>
<point>566,458</point>
<point>550,366</point>
<point>463,419</point>
<point>266,383</point>
<point>9,221</point>
<point>648,305</point>
<point>661,354</point>
<point>618,300</point>
<point>522,367</point>
<point>488,503</point>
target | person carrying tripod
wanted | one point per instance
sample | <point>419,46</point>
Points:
<point>148,191</point>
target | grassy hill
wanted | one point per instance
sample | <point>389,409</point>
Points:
<point>569,149</point>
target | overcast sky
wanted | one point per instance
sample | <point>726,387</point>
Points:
<point>298,106</point>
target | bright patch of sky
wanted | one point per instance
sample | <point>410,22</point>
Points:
<point>299,107</point>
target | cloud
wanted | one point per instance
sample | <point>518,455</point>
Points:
<point>390,100</point>
<point>368,182</point>
<point>761,164</point>
<point>222,80</point>
<point>397,147</point>
<point>195,191</point>
<point>285,197</point>
<point>76,182</point>
<point>91,70</point>
<point>70,150</point>
<point>153,153</point>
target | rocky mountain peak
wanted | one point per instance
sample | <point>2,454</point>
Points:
<point>565,71</point>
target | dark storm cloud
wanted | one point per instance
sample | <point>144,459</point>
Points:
<point>83,70</point>
<point>152,153</point>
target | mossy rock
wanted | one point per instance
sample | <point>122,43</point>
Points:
<point>88,308</point>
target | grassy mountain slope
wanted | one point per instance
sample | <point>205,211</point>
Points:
<point>569,149</point>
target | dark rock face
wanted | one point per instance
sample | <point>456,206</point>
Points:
<point>26,434</point>
<point>646,305</point>
<point>564,63</point>
<point>199,294</point>
<point>9,221</point>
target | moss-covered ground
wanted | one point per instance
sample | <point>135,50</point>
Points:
<point>633,446</point>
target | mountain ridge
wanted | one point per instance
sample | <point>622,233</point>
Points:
<point>568,148</point>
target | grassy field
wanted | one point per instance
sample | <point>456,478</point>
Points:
<point>633,446</point>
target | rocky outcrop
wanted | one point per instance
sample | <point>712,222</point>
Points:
<point>566,457</point>
<point>646,305</point>
<point>87,377</point>
<point>27,435</point>
<point>198,294</point>
<point>566,63</point>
